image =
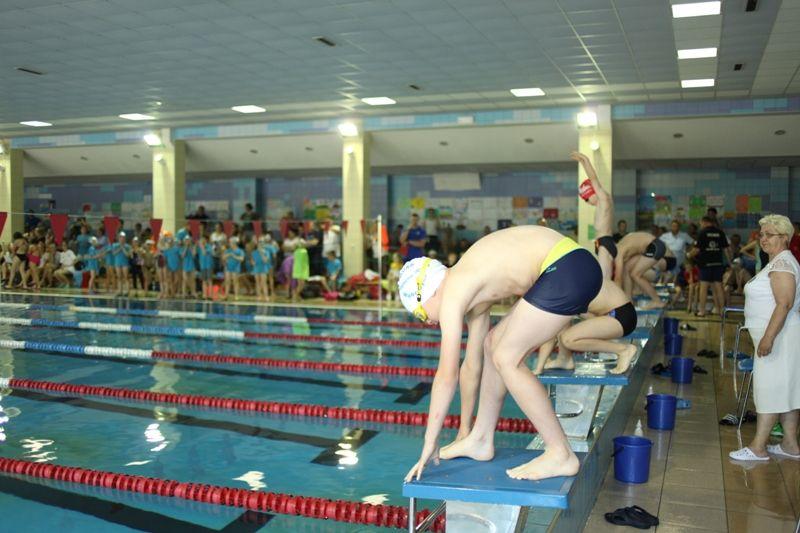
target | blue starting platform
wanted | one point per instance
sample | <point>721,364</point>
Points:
<point>473,481</point>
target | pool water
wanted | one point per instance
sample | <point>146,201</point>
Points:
<point>337,459</point>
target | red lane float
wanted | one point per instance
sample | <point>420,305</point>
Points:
<point>318,366</point>
<point>407,325</point>
<point>392,516</point>
<point>343,340</point>
<point>382,416</point>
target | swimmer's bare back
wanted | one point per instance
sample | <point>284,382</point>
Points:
<point>502,264</point>
<point>634,244</point>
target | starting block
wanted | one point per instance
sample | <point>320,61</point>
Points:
<point>479,496</point>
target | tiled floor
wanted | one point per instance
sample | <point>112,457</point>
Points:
<point>693,486</point>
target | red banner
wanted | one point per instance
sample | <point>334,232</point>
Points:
<point>59,225</point>
<point>257,227</point>
<point>155,228</point>
<point>111,224</point>
<point>284,228</point>
<point>384,237</point>
<point>194,228</point>
<point>3,218</point>
<point>227,227</point>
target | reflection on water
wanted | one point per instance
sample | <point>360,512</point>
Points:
<point>254,479</point>
<point>35,449</point>
<point>375,499</point>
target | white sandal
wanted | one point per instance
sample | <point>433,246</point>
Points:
<point>775,449</point>
<point>746,454</point>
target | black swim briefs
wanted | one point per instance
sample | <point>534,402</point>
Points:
<point>626,316</point>
<point>656,249</point>
<point>608,243</point>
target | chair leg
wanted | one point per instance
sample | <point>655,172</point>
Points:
<point>748,381</point>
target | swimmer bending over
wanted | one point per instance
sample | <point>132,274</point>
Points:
<point>593,193</point>
<point>639,252</point>
<point>554,279</point>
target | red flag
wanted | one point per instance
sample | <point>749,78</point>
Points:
<point>345,223</point>
<point>327,225</point>
<point>384,237</point>
<point>155,228</point>
<point>3,218</point>
<point>194,228</point>
<point>111,224</point>
<point>284,227</point>
<point>227,227</point>
<point>59,225</point>
<point>257,227</point>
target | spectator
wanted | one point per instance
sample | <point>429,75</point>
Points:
<point>314,244</point>
<point>794,244</point>
<point>711,213</point>
<point>415,238</point>
<point>233,258</point>
<point>772,304</point>
<point>432,227</point>
<point>66,265</point>
<point>205,256</point>
<point>31,220</point>
<point>248,217</point>
<point>331,241</point>
<point>82,240</point>
<point>676,241</point>
<point>622,230</point>
<point>200,214</point>
<point>712,248</point>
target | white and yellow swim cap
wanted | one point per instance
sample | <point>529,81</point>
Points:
<point>419,279</point>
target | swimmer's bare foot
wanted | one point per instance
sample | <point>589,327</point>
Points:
<point>655,304</point>
<point>549,464</point>
<point>624,359</point>
<point>566,363</point>
<point>472,447</point>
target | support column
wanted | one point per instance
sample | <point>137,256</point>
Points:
<point>355,198</point>
<point>12,195</point>
<point>169,182</point>
<point>599,137</point>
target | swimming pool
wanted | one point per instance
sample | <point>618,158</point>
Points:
<point>309,456</point>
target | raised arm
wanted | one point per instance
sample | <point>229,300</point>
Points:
<point>470,375</point>
<point>444,386</point>
<point>591,173</point>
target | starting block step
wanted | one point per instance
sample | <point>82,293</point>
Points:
<point>472,481</point>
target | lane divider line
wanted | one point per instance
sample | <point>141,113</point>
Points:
<point>383,416</point>
<point>145,354</point>
<point>391,516</point>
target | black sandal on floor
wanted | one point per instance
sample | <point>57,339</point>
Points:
<point>699,370</point>
<point>628,516</point>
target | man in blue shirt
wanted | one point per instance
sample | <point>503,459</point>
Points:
<point>415,237</point>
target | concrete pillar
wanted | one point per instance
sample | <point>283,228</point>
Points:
<point>169,182</point>
<point>355,198</point>
<point>596,142</point>
<point>12,195</point>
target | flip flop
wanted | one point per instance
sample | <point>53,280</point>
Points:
<point>775,449</point>
<point>635,509</point>
<point>746,454</point>
<point>729,420</point>
<point>699,370</point>
<point>624,517</point>
<point>683,403</point>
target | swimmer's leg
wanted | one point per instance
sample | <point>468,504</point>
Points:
<point>543,359</point>
<point>638,276</point>
<point>606,262</point>
<point>594,334</point>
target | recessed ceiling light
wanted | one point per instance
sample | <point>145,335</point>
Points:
<point>378,100</point>
<point>348,129</point>
<point>253,151</point>
<point>415,87</point>
<point>697,53</point>
<point>780,132</point>
<point>703,82</point>
<point>137,156</point>
<point>136,116</point>
<point>35,123</point>
<point>152,139</point>
<point>696,9</point>
<point>309,149</point>
<point>594,145</point>
<point>248,109</point>
<point>677,135</point>
<point>529,140</point>
<point>84,158</point>
<point>158,103</point>
<point>527,91</point>
<point>587,119</point>
<point>444,143</point>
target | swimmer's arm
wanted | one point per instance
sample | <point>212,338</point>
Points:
<point>591,173</point>
<point>471,368</point>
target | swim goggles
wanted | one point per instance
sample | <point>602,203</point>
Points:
<point>420,312</point>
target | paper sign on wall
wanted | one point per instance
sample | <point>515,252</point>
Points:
<point>754,204</point>
<point>742,203</point>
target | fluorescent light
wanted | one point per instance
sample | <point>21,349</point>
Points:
<point>348,129</point>
<point>248,109</point>
<point>704,82</point>
<point>587,119</point>
<point>152,139</point>
<point>527,91</point>
<point>696,9</point>
<point>136,116</point>
<point>378,100</point>
<point>35,123</point>
<point>697,53</point>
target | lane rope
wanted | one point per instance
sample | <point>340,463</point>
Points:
<point>149,354</point>
<point>383,416</point>
<point>391,516</point>
<point>224,334</point>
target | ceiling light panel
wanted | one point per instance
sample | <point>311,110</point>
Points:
<point>696,9</point>
<point>136,116</point>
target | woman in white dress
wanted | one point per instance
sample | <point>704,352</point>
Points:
<point>772,316</point>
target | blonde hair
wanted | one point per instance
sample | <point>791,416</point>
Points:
<point>780,223</point>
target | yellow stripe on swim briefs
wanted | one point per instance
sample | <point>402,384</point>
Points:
<point>562,248</point>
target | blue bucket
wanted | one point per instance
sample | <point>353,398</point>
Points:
<point>673,344</point>
<point>632,459</point>
<point>682,369</point>
<point>671,326</point>
<point>661,411</point>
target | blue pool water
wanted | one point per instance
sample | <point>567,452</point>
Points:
<point>303,456</point>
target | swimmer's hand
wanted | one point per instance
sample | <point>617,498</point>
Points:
<point>428,452</point>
